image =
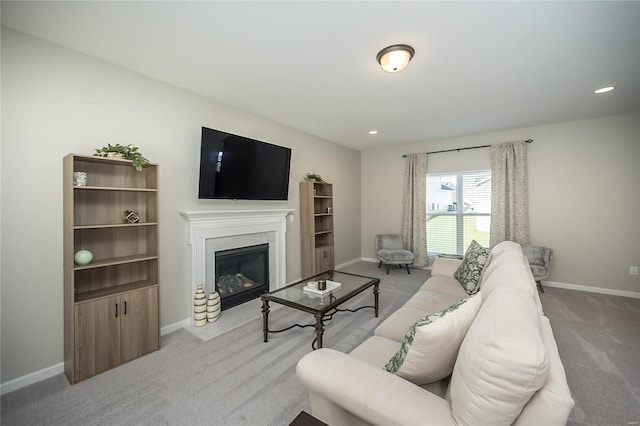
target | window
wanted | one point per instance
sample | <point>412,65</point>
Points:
<point>458,211</point>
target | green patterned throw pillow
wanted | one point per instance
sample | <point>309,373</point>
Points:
<point>470,270</point>
<point>430,347</point>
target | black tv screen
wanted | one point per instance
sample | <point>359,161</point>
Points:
<point>238,168</point>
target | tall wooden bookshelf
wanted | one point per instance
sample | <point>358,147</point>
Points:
<point>111,305</point>
<point>316,218</point>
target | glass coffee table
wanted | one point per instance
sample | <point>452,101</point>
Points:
<point>320,306</point>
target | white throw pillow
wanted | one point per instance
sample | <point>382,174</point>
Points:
<point>430,347</point>
<point>502,361</point>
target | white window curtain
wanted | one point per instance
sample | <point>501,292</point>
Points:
<point>509,193</point>
<point>414,208</point>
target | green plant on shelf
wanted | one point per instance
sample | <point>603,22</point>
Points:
<point>314,177</point>
<point>127,152</point>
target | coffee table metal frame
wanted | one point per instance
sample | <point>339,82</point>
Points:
<point>321,307</point>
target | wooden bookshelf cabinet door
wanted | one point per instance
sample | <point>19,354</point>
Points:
<point>114,330</point>
<point>139,323</point>
<point>97,337</point>
<point>324,259</point>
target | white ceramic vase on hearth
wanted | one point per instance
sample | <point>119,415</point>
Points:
<point>213,307</point>
<point>199,307</point>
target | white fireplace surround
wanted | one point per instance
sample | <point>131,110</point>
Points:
<point>227,229</point>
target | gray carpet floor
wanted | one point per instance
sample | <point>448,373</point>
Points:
<point>598,338</point>
<point>233,379</point>
<point>236,379</point>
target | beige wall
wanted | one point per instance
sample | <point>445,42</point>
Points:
<point>584,193</point>
<point>54,102</point>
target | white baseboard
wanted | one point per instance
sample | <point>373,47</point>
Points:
<point>173,327</point>
<point>372,260</point>
<point>31,378</point>
<point>351,262</point>
<point>577,287</point>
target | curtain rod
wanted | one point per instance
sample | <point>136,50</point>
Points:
<point>462,149</point>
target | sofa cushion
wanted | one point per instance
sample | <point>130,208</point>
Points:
<point>552,404</point>
<point>431,345</point>
<point>498,262</point>
<point>502,361</point>
<point>515,275</point>
<point>445,285</point>
<point>376,351</point>
<point>395,326</point>
<point>431,302</point>
<point>506,246</point>
<point>470,270</point>
<point>512,274</point>
<point>445,266</point>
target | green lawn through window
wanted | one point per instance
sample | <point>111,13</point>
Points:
<point>440,229</point>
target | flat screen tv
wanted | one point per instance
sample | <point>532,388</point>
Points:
<point>237,168</point>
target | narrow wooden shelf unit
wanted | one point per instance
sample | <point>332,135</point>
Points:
<point>316,219</point>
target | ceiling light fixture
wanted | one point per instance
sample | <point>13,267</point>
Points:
<point>395,58</point>
<point>604,90</point>
<point>373,132</point>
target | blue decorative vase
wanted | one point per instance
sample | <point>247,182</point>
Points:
<point>83,257</point>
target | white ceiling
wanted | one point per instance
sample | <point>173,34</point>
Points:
<point>479,66</point>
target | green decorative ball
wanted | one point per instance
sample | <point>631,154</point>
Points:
<point>83,257</point>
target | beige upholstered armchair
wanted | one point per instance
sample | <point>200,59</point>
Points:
<point>539,262</point>
<point>390,251</point>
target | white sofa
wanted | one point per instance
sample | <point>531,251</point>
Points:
<point>507,369</point>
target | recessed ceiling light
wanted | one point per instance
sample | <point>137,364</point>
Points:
<point>604,90</point>
<point>373,132</point>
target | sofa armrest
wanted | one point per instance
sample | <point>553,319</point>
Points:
<point>370,393</point>
<point>445,266</point>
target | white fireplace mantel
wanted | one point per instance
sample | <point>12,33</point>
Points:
<point>223,224</point>
<point>217,215</point>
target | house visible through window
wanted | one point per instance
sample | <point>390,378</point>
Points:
<point>458,211</point>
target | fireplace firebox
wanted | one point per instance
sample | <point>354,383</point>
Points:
<point>241,274</point>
